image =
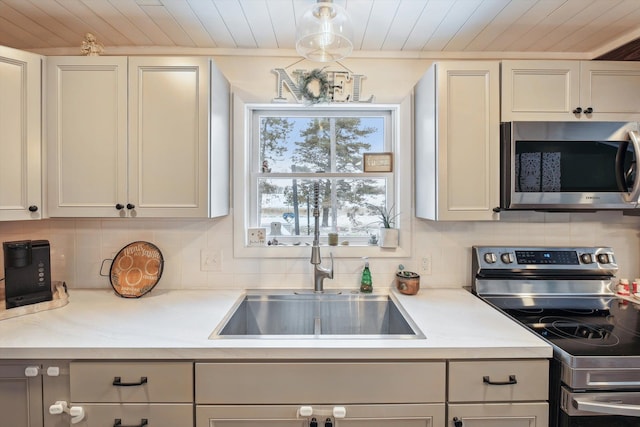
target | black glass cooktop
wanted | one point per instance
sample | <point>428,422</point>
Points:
<point>610,331</point>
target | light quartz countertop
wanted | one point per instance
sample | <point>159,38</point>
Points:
<point>176,324</point>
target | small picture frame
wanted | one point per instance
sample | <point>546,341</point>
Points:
<point>257,236</point>
<point>377,162</point>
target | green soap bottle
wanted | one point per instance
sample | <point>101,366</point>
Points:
<point>366,284</point>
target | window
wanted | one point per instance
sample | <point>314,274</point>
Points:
<point>289,150</point>
<point>294,150</point>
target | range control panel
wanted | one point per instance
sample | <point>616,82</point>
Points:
<point>544,258</point>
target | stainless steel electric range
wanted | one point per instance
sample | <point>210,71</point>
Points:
<point>567,296</point>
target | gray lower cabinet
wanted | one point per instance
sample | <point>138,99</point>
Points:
<point>515,414</point>
<point>21,394</point>
<point>410,415</point>
<point>402,394</point>
<point>505,393</point>
<point>28,388</point>
<point>158,394</point>
<point>469,393</point>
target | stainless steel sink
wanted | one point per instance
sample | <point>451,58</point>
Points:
<point>288,314</point>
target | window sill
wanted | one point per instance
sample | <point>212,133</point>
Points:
<point>304,251</point>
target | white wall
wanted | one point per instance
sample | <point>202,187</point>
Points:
<point>80,245</point>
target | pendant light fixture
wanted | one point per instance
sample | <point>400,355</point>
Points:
<point>324,33</point>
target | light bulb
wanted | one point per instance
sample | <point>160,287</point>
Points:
<point>324,33</point>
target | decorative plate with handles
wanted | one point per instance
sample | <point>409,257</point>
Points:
<point>136,269</point>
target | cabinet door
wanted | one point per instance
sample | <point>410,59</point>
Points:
<point>20,140</point>
<point>168,136</point>
<point>540,90</point>
<point>288,416</point>
<point>458,141</point>
<point>87,136</point>
<point>20,396</point>
<point>611,90</point>
<point>500,414</point>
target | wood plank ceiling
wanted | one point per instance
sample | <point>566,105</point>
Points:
<point>586,28</point>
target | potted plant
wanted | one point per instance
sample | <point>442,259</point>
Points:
<point>389,235</point>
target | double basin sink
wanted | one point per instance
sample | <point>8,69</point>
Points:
<point>299,315</point>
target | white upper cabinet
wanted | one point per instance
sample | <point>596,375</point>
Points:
<point>570,91</point>
<point>87,136</point>
<point>131,137</point>
<point>168,136</point>
<point>457,141</point>
<point>20,135</point>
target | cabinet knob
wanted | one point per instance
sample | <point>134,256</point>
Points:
<point>457,422</point>
<point>131,206</point>
<point>119,206</point>
<point>577,110</point>
<point>588,110</point>
<point>33,208</point>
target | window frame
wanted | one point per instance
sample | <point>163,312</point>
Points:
<point>397,127</point>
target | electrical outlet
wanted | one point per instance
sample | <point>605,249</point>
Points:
<point>211,260</point>
<point>425,265</point>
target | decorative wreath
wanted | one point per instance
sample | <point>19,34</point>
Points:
<point>321,79</point>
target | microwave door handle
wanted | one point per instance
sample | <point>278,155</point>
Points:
<point>621,173</point>
<point>609,408</point>
<point>634,193</point>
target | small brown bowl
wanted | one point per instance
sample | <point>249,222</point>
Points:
<point>408,282</point>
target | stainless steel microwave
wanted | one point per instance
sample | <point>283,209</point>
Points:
<point>567,166</point>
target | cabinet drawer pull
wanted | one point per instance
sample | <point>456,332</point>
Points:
<point>118,423</point>
<point>457,422</point>
<point>512,380</point>
<point>117,381</point>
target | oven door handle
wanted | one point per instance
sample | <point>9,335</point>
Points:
<point>634,193</point>
<point>609,408</point>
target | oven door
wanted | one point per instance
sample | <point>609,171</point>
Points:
<point>570,166</point>
<point>596,409</point>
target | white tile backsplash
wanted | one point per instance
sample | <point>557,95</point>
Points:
<point>78,247</point>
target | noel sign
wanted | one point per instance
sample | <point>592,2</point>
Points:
<point>317,86</point>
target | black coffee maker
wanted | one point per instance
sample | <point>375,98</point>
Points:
<point>27,272</point>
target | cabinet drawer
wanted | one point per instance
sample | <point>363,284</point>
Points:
<point>165,415</point>
<point>320,383</point>
<point>500,380</point>
<point>137,382</point>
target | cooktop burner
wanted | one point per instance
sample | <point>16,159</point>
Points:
<point>612,331</point>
